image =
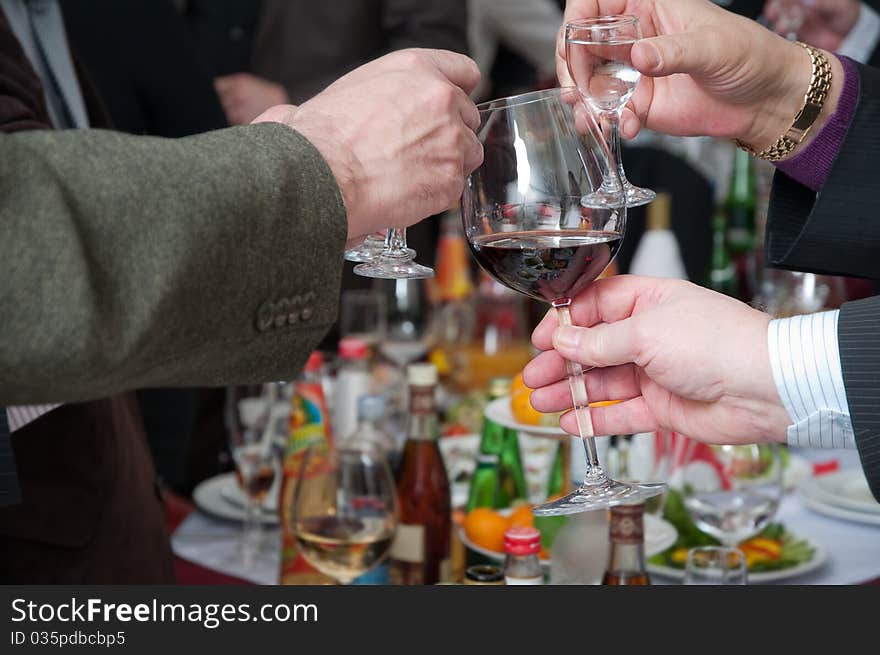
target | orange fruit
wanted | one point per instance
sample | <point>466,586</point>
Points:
<point>604,403</point>
<point>521,406</point>
<point>522,516</point>
<point>485,527</point>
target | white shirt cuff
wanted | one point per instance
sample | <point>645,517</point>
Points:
<point>862,39</point>
<point>805,360</point>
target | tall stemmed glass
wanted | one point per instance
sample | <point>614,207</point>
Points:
<point>528,228</point>
<point>396,260</point>
<point>598,54</point>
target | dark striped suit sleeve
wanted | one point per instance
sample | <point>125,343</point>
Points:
<point>837,230</point>
<point>858,335</point>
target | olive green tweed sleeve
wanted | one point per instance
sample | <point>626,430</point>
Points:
<point>130,262</point>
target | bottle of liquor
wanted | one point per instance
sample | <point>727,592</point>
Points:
<point>722,276</point>
<point>484,483</point>
<point>626,559</point>
<point>420,552</point>
<point>484,574</point>
<point>503,442</point>
<point>658,254</point>
<point>521,564</point>
<point>740,205</point>
<point>309,426</point>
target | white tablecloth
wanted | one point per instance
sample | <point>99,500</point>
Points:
<point>853,548</point>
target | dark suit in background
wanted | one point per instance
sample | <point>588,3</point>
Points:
<point>90,510</point>
<point>305,45</point>
<point>837,231</point>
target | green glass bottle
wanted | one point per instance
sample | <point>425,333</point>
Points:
<point>557,483</point>
<point>484,483</point>
<point>740,205</point>
<point>722,275</point>
<point>503,442</point>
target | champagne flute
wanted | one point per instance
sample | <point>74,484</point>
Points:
<point>256,420</point>
<point>345,510</point>
<point>396,260</point>
<point>528,228</point>
<point>598,54</point>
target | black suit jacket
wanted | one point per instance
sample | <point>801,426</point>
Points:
<point>837,231</point>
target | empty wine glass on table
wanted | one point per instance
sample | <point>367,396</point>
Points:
<point>598,54</point>
<point>345,510</point>
<point>731,492</point>
<point>256,422</point>
<point>527,227</point>
<point>363,315</point>
<point>715,565</point>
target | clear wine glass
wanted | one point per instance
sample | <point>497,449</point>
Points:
<point>792,14</point>
<point>368,250</point>
<point>730,492</point>
<point>345,510</point>
<point>527,227</point>
<point>598,54</point>
<point>256,423</point>
<point>715,565</point>
<point>395,261</point>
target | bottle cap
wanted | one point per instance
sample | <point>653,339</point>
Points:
<point>421,374</point>
<point>315,361</point>
<point>371,407</point>
<point>352,348</point>
<point>484,574</point>
<point>499,386</point>
<point>522,540</point>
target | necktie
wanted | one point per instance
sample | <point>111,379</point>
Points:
<point>10,494</point>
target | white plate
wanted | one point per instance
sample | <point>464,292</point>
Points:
<point>211,496</point>
<point>845,489</point>
<point>839,512</point>
<point>232,493</point>
<point>499,411</point>
<point>659,535</point>
<point>820,556</point>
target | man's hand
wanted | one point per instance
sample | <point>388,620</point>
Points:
<point>679,356</point>
<point>708,72</point>
<point>398,134</point>
<point>245,96</point>
<point>826,23</point>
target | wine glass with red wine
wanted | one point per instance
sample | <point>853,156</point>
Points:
<point>527,227</point>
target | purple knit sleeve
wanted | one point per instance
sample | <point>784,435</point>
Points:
<point>812,166</point>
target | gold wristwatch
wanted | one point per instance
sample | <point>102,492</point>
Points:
<point>820,83</point>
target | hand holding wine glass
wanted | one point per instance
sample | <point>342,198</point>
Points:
<point>679,356</point>
<point>736,78</point>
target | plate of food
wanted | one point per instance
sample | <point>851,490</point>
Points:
<point>774,554</point>
<point>500,411</point>
<point>483,531</point>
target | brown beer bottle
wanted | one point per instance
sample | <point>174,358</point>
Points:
<point>420,552</point>
<point>626,559</point>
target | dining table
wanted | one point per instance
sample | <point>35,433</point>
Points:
<point>206,547</point>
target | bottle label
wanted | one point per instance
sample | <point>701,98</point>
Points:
<point>626,526</point>
<point>538,579</point>
<point>421,400</point>
<point>409,544</point>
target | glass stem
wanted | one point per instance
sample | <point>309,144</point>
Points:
<point>611,124</point>
<point>395,243</point>
<point>252,532</point>
<point>578,387</point>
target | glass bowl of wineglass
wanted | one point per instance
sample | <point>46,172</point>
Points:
<point>730,492</point>
<point>345,510</point>
<point>527,226</point>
